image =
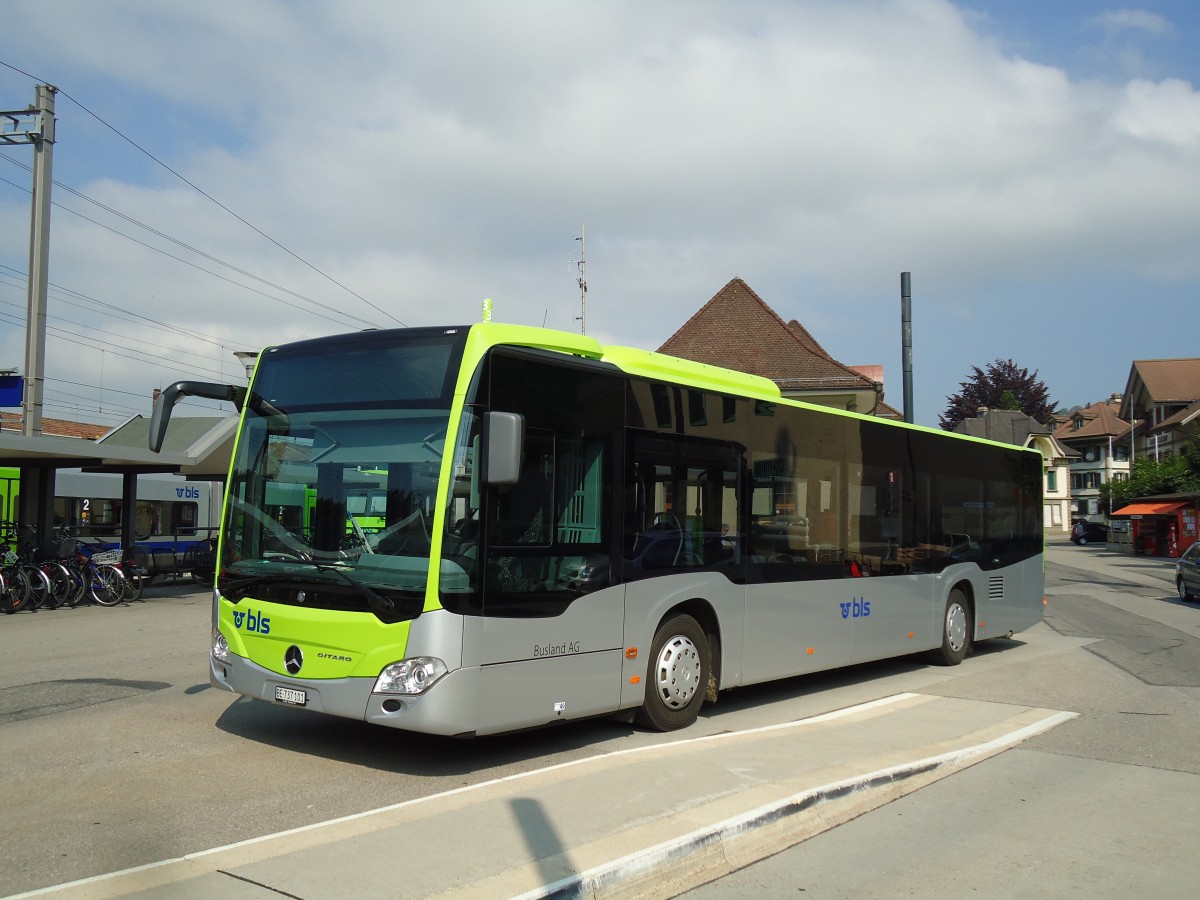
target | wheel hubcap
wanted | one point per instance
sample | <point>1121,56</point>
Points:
<point>677,674</point>
<point>956,626</point>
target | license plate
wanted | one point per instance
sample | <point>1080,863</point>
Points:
<point>291,695</point>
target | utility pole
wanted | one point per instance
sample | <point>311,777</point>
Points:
<point>582,280</point>
<point>40,133</point>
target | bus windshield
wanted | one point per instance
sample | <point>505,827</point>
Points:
<point>334,481</point>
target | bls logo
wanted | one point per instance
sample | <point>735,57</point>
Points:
<point>859,608</point>
<point>257,623</point>
<point>191,493</point>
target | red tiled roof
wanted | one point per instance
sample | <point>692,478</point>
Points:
<point>56,427</point>
<point>806,339</point>
<point>1101,420</point>
<point>737,330</point>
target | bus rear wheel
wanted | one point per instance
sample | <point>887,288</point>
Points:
<point>677,675</point>
<point>956,631</point>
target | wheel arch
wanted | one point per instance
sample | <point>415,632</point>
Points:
<point>706,617</point>
<point>968,589</point>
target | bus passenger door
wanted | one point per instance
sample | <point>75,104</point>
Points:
<point>551,626</point>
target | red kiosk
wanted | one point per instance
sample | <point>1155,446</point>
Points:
<point>1161,526</point>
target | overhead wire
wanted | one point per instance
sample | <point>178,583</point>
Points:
<point>64,294</point>
<point>217,202</point>
<point>346,318</point>
<point>67,209</point>
<point>63,93</point>
<point>82,340</point>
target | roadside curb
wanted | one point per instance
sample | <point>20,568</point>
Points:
<point>675,866</point>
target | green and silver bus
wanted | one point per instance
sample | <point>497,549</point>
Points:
<point>567,530</point>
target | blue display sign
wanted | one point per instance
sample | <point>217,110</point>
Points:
<point>12,390</point>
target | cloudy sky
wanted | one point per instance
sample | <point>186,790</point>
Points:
<point>240,172</point>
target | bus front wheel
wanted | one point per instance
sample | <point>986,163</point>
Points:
<point>956,631</point>
<point>677,675</point>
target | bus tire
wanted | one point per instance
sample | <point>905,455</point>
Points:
<point>956,631</point>
<point>676,675</point>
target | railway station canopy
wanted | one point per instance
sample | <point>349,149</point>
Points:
<point>196,447</point>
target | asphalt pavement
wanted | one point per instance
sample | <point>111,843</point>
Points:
<point>645,822</point>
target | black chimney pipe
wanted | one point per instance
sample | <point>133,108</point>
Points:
<point>906,342</point>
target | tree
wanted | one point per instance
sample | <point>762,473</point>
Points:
<point>1003,385</point>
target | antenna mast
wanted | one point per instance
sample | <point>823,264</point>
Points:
<point>582,280</point>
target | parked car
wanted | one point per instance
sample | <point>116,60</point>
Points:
<point>1089,533</point>
<point>1187,573</point>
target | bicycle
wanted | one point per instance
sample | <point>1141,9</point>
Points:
<point>26,586</point>
<point>62,587</point>
<point>103,579</point>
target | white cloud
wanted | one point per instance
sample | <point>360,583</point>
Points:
<point>1166,111</point>
<point>1119,20</point>
<point>428,155</point>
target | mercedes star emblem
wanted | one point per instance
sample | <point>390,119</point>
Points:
<point>293,659</point>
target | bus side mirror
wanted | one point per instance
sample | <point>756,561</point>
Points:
<point>504,438</point>
<point>176,392</point>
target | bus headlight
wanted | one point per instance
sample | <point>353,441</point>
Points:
<point>410,676</point>
<point>220,648</point>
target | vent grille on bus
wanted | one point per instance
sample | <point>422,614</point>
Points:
<point>996,587</point>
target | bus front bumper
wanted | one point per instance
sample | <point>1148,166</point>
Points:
<point>448,707</point>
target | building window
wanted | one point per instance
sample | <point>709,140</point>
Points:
<point>1051,481</point>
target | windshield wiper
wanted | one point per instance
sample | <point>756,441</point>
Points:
<point>235,587</point>
<point>380,604</point>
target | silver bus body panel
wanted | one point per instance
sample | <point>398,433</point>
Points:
<point>1007,600</point>
<point>536,670</point>
<point>438,633</point>
<point>591,623</point>
<point>535,692</point>
<point>784,620</point>
<point>891,615</point>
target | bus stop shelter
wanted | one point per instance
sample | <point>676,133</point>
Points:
<point>196,448</point>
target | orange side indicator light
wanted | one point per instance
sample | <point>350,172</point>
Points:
<point>911,635</point>
<point>1045,600</point>
<point>812,650</point>
<point>982,623</point>
<point>631,652</point>
<point>635,679</point>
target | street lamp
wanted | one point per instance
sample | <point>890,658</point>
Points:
<point>248,359</point>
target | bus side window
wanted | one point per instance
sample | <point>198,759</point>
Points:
<point>183,518</point>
